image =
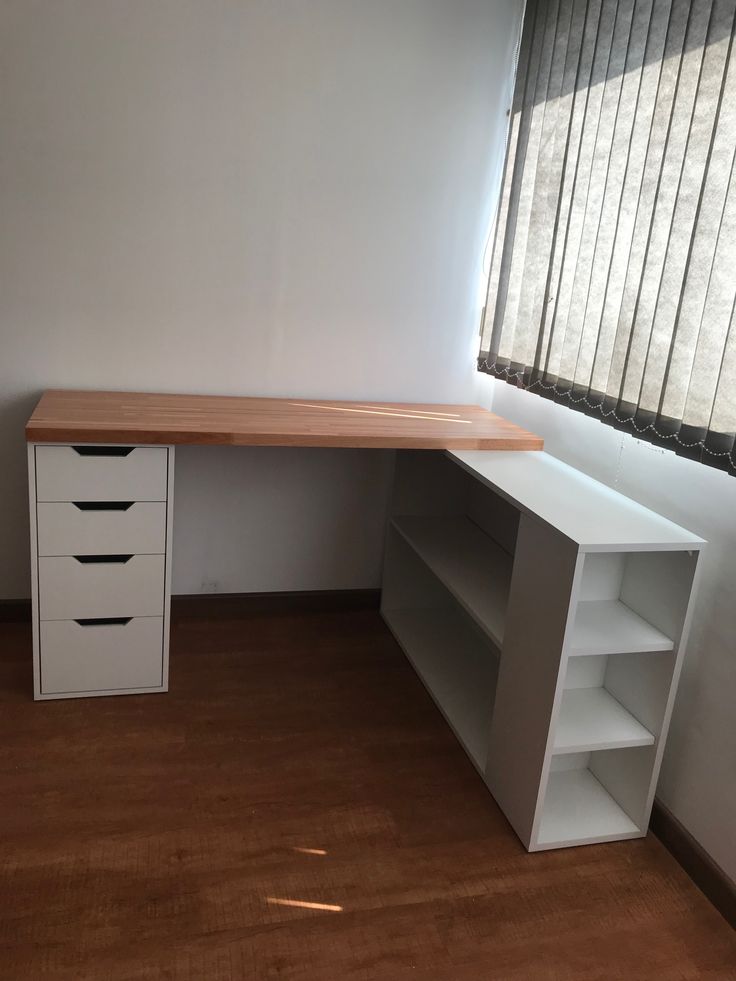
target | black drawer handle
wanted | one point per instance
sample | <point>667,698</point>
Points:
<point>86,559</point>
<point>103,505</point>
<point>103,621</point>
<point>103,450</point>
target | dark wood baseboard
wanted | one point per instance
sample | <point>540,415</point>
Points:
<point>15,611</point>
<point>705,873</point>
<point>203,605</point>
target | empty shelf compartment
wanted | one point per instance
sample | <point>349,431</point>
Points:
<point>610,627</point>
<point>468,562</point>
<point>457,668</point>
<point>578,810</point>
<point>591,718</point>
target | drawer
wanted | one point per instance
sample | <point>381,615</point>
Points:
<point>116,586</point>
<point>96,527</point>
<point>101,473</point>
<point>101,656</point>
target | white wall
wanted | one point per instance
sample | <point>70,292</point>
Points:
<point>698,779</point>
<point>248,197</point>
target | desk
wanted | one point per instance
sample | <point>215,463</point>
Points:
<point>101,467</point>
<point>546,614</point>
<point>136,417</point>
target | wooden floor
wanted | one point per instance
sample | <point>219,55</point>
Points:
<point>298,761</point>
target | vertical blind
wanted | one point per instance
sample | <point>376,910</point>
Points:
<point>613,276</point>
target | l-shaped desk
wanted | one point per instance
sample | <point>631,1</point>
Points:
<point>545,613</point>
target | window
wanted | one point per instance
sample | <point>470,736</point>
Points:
<point>613,276</point>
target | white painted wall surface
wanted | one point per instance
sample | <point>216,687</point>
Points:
<point>698,778</point>
<point>264,197</point>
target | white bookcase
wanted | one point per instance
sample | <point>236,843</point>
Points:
<point>547,616</point>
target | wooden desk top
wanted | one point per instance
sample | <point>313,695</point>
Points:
<point>135,417</point>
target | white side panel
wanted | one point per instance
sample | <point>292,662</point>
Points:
<point>641,682</point>
<point>34,566</point>
<point>694,580</point>
<point>546,567</point>
<point>602,575</point>
<point>627,775</point>
<point>585,672</point>
<point>62,474</point>
<point>65,529</point>
<point>71,590</point>
<point>658,586</point>
<point>101,657</point>
<point>167,572</point>
<point>569,761</point>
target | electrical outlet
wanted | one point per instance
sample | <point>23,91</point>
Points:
<point>210,586</point>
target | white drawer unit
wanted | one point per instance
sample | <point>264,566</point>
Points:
<point>101,568</point>
<point>101,655</point>
<point>102,527</point>
<point>101,473</point>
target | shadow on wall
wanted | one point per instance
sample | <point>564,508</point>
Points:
<point>15,567</point>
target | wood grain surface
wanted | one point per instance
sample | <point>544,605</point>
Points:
<point>134,417</point>
<point>296,808</point>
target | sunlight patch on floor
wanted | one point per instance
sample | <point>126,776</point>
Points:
<point>303,904</point>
